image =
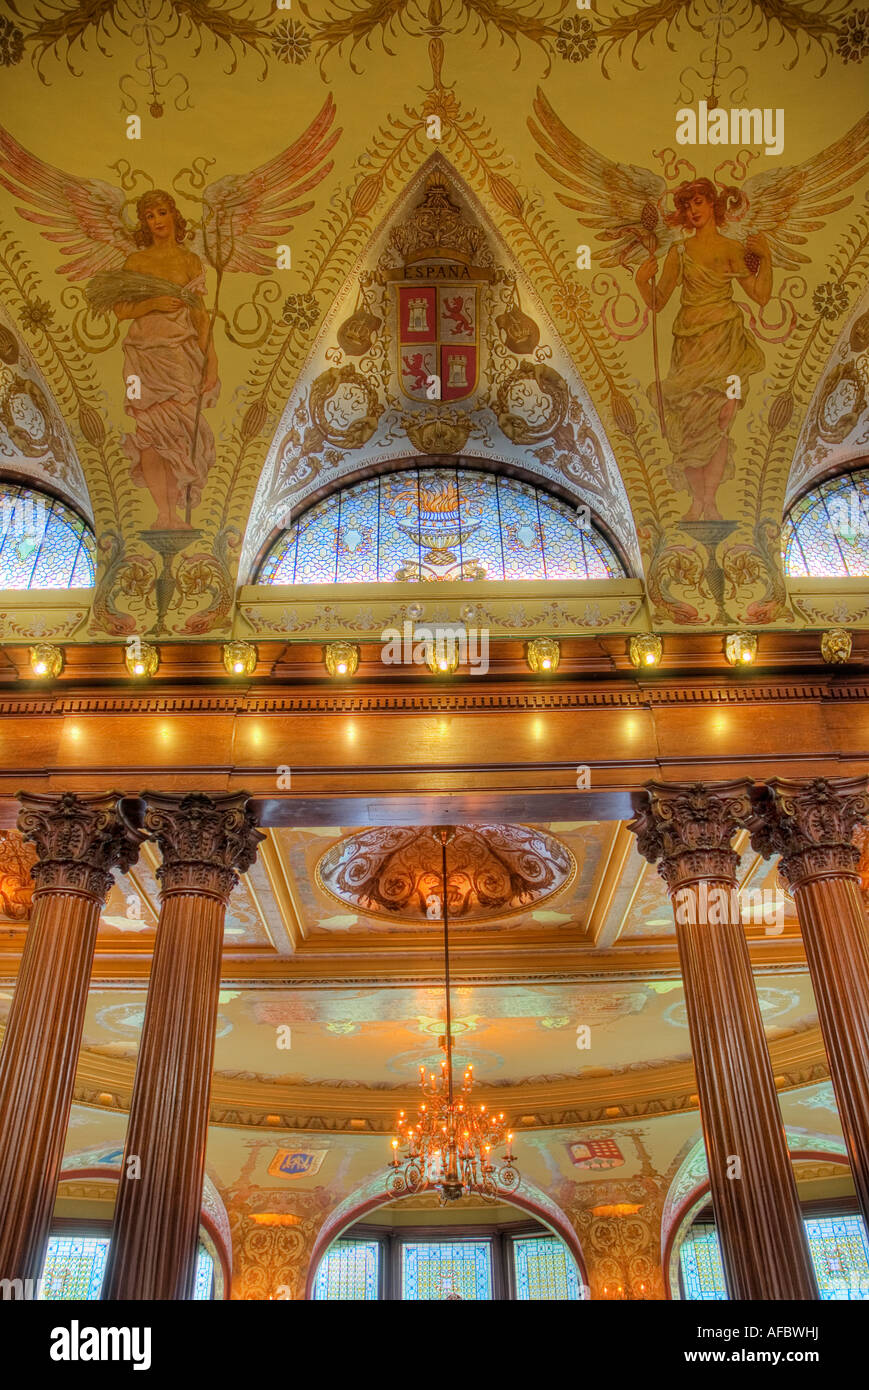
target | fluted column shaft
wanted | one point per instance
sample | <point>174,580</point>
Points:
<point>78,841</point>
<point>204,840</point>
<point>687,830</point>
<point>811,825</point>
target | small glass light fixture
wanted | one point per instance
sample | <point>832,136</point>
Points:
<point>239,658</point>
<point>342,658</point>
<point>543,654</point>
<point>141,659</point>
<point>646,649</point>
<point>442,657</point>
<point>836,646</point>
<point>46,661</point>
<point>740,648</point>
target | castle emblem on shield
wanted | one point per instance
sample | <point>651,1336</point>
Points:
<point>438,349</point>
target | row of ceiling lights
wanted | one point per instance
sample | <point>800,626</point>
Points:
<point>543,655</point>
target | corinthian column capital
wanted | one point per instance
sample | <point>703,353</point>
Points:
<point>206,841</point>
<point>686,829</point>
<point>810,824</point>
<point>80,839</point>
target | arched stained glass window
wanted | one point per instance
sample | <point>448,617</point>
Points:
<point>43,544</point>
<point>827,533</point>
<point>838,1244</point>
<point>439,524</point>
<point>75,1266</point>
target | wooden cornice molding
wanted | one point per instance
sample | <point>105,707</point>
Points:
<point>668,1087</point>
<point>404,959</point>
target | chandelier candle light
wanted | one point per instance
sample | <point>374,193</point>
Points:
<point>451,1145</point>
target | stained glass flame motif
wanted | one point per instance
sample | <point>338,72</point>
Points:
<point>826,535</point>
<point>43,544</point>
<point>439,524</point>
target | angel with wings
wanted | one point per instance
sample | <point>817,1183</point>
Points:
<point>714,353</point>
<point>147,275</point>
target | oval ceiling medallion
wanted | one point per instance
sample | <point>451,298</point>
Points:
<point>494,871</point>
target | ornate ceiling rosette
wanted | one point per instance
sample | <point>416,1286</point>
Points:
<point>493,871</point>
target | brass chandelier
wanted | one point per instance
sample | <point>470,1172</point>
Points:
<point>451,1146</point>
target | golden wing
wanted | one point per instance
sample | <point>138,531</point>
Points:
<point>246,215</point>
<point>623,200</point>
<point>787,204</point>
<point>83,216</point>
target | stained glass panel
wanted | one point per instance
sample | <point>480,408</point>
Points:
<point>446,1270</point>
<point>348,1271</point>
<point>75,1265</point>
<point>544,1270</point>
<point>840,1254</point>
<point>826,534</point>
<point>43,544</point>
<point>438,524</point>
<point>838,1244</point>
<point>702,1270</point>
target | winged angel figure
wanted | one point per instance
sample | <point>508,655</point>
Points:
<point>771,216</point>
<point>147,275</point>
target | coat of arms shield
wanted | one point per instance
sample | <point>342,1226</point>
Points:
<point>438,349</point>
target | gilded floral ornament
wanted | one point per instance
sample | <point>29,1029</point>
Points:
<point>300,311</point>
<point>291,42</point>
<point>576,39</point>
<point>36,315</point>
<point>852,43</point>
<point>830,300</point>
<point>11,43</point>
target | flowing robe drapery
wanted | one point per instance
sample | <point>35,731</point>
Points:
<point>710,344</point>
<point>162,350</point>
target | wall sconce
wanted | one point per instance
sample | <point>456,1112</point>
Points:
<point>141,659</point>
<point>543,654</point>
<point>46,661</point>
<point>740,648</point>
<point>342,658</point>
<point>646,649</point>
<point>239,658</point>
<point>836,646</point>
<point>442,658</point>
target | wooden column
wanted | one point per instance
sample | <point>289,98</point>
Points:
<point>687,830</point>
<point>811,825</point>
<point>204,841</point>
<point>78,840</point>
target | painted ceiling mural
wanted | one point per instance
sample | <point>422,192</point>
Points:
<point>231,271</point>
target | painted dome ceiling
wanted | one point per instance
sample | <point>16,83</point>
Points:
<point>492,871</point>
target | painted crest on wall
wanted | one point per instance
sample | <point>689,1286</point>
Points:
<point>437,333</point>
<point>296,1163</point>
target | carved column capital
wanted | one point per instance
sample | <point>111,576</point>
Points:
<point>80,839</point>
<point>206,840</point>
<point>810,824</point>
<point>686,829</point>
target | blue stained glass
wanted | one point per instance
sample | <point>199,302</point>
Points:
<point>826,534</point>
<point>75,1265</point>
<point>446,1270</point>
<point>700,1260</point>
<point>438,524</point>
<point>43,544</point>
<point>838,1245</point>
<point>840,1254</point>
<point>544,1270</point>
<point>349,1271</point>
